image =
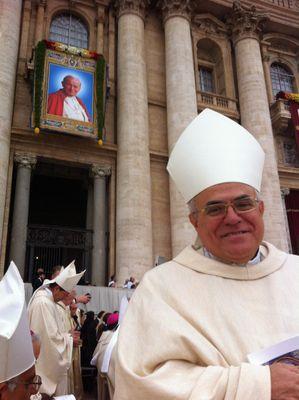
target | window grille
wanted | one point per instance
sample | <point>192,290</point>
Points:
<point>70,30</point>
<point>282,79</point>
<point>206,80</point>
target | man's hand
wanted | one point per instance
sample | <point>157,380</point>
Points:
<point>76,338</point>
<point>284,382</point>
<point>84,298</point>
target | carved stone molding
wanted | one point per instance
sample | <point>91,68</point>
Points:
<point>245,22</point>
<point>100,18</point>
<point>25,160</point>
<point>209,24</point>
<point>175,8</point>
<point>137,7</point>
<point>100,171</point>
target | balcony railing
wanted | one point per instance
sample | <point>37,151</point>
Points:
<point>280,117</point>
<point>220,103</point>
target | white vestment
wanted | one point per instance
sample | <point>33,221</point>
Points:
<point>192,321</point>
<point>56,346</point>
<point>73,109</point>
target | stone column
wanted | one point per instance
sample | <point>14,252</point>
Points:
<point>99,257</point>
<point>100,29</point>
<point>181,103</point>
<point>133,205</point>
<point>24,36</point>
<point>25,163</point>
<point>246,25</point>
<point>39,24</point>
<point>10,20</point>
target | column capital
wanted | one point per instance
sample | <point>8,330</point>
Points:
<point>42,3</point>
<point>245,22</point>
<point>175,8</point>
<point>100,171</point>
<point>25,160</point>
<point>137,7</point>
<point>100,18</point>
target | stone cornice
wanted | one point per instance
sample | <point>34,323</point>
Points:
<point>245,22</point>
<point>175,8</point>
<point>25,160</point>
<point>100,171</point>
<point>137,7</point>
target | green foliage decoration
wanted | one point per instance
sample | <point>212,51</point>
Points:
<point>100,101</point>
<point>39,63</point>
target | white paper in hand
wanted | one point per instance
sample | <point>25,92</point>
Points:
<point>66,397</point>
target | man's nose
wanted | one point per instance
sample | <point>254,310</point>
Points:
<point>231,217</point>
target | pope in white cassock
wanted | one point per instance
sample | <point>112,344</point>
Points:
<point>192,321</point>
<point>17,371</point>
<point>55,356</point>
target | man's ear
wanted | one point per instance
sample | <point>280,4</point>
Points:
<point>261,207</point>
<point>193,219</point>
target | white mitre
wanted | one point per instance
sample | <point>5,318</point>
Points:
<point>15,339</point>
<point>214,149</point>
<point>68,279</point>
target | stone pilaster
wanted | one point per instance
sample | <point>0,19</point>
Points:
<point>99,256</point>
<point>100,29</point>
<point>133,204</point>
<point>25,163</point>
<point>181,103</point>
<point>10,20</point>
<point>24,36</point>
<point>39,24</point>
<point>245,25</point>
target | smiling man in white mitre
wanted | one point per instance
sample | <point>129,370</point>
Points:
<point>192,321</point>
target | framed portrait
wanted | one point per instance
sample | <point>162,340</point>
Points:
<point>67,100</point>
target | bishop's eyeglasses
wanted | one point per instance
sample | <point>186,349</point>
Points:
<point>240,205</point>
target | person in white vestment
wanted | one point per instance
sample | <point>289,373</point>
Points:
<point>192,321</point>
<point>17,363</point>
<point>56,344</point>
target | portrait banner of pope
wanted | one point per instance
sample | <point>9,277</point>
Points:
<point>70,93</point>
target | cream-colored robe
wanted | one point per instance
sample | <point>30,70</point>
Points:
<point>56,346</point>
<point>192,321</point>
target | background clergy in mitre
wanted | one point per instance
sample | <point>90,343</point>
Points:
<point>192,321</point>
<point>56,345</point>
<point>17,370</point>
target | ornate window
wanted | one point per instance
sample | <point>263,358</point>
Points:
<point>69,29</point>
<point>206,79</point>
<point>282,79</point>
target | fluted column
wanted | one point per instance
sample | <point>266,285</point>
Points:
<point>133,204</point>
<point>39,24</point>
<point>99,256</point>
<point>10,20</point>
<point>25,163</point>
<point>246,25</point>
<point>181,103</point>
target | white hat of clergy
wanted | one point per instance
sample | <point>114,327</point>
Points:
<point>214,149</point>
<point>15,338</point>
<point>68,279</point>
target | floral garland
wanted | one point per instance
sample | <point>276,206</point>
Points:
<point>40,54</point>
<point>288,96</point>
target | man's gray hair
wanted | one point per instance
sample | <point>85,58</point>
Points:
<point>70,77</point>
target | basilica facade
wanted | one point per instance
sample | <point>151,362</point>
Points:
<point>110,204</point>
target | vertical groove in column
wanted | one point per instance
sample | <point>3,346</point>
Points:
<point>133,205</point>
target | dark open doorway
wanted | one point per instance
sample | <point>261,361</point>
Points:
<point>57,231</point>
<point>292,207</point>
